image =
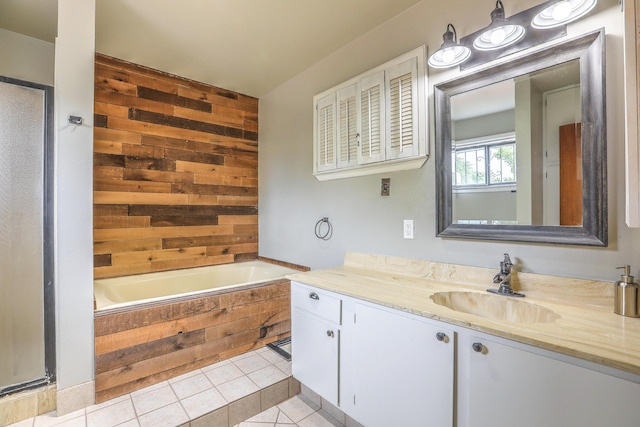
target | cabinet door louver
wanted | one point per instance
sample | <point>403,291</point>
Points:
<point>348,127</point>
<point>372,119</point>
<point>402,93</point>
<point>326,133</point>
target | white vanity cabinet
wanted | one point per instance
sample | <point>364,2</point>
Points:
<point>315,339</point>
<point>381,366</point>
<point>385,367</point>
<point>505,384</point>
<point>397,369</point>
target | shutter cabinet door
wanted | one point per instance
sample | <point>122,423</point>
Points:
<point>325,133</point>
<point>401,85</point>
<point>371,119</point>
<point>347,127</point>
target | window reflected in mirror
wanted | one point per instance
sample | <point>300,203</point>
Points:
<point>516,150</point>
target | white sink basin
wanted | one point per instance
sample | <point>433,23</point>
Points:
<point>496,307</point>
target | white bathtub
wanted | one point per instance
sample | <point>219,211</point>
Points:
<point>126,291</point>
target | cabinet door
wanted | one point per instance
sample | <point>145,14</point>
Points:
<point>504,386</point>
<point>325,133</point>
<point>347,127</point>
<point>314,353</point>
<point>371,119</point>
<point>400,374</point>
<point>401,84</point>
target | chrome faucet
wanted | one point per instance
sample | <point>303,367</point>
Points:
<point>504,279</point>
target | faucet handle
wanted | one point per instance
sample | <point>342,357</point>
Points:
<point>507,260</point>
<point>506,265</point>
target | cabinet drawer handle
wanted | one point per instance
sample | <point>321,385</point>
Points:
<point>330,333</point>
<point>314,296</point>
<point>441,336</point>
<point>478,347</point>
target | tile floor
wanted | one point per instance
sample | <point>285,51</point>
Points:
<point>219,394</point>
<point>297,411</point>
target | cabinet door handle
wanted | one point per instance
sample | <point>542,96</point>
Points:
<point>441,336</point>
<point>330,333</point>
<point>478,347</point>
<point>314,296</point>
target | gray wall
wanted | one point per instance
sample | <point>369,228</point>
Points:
<point>489,124</point>
<point>74,68</point>
<point>68,66</point>
<point>487,205</point>
<point>26,58</point>
<point>292,200</point>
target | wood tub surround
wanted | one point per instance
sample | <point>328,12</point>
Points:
<point>141,347</point>
<point>175,172</point>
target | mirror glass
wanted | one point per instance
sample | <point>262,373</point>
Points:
<point>521,148</point>
<point>516,150</point>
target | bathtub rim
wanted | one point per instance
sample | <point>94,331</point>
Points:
<point>159,301</point>
<point>170,299</point>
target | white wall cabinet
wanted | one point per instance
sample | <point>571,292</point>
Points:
<point>386,367</point>
<point>373,123</point>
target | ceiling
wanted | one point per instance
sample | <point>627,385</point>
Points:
<point>249,46</point>
<point>34,18</point>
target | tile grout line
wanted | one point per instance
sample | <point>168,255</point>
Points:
<point>180,400</point>
<point>135,411</point>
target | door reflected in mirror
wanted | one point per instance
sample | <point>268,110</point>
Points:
<point>517,152</point>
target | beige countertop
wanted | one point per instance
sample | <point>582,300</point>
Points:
<point>586,328</point>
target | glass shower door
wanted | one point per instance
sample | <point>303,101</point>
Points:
<point>26,285</point>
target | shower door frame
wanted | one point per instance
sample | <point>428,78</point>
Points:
<point>48,261</point>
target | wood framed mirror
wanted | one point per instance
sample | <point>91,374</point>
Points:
<point>530,165</point>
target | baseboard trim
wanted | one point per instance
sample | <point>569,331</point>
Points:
<point>76,397</point>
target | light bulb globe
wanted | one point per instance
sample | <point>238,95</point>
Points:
<point>561,11</point>
<point>497,36</point>
<point>448,55</point>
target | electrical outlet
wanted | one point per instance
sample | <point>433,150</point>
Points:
<point>408,229</point>
<point>385,188</point>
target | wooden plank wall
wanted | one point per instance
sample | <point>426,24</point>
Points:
<point>175,172</point>
<point>139,348</point>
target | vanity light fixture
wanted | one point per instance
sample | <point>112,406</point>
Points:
<point>560,12</point>
<point>450,53</point>
<point>539,24</point>
<point>500,33</point>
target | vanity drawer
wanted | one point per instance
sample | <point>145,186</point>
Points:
<point>320,303</point>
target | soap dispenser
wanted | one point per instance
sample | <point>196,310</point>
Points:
<point>627,292</point>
